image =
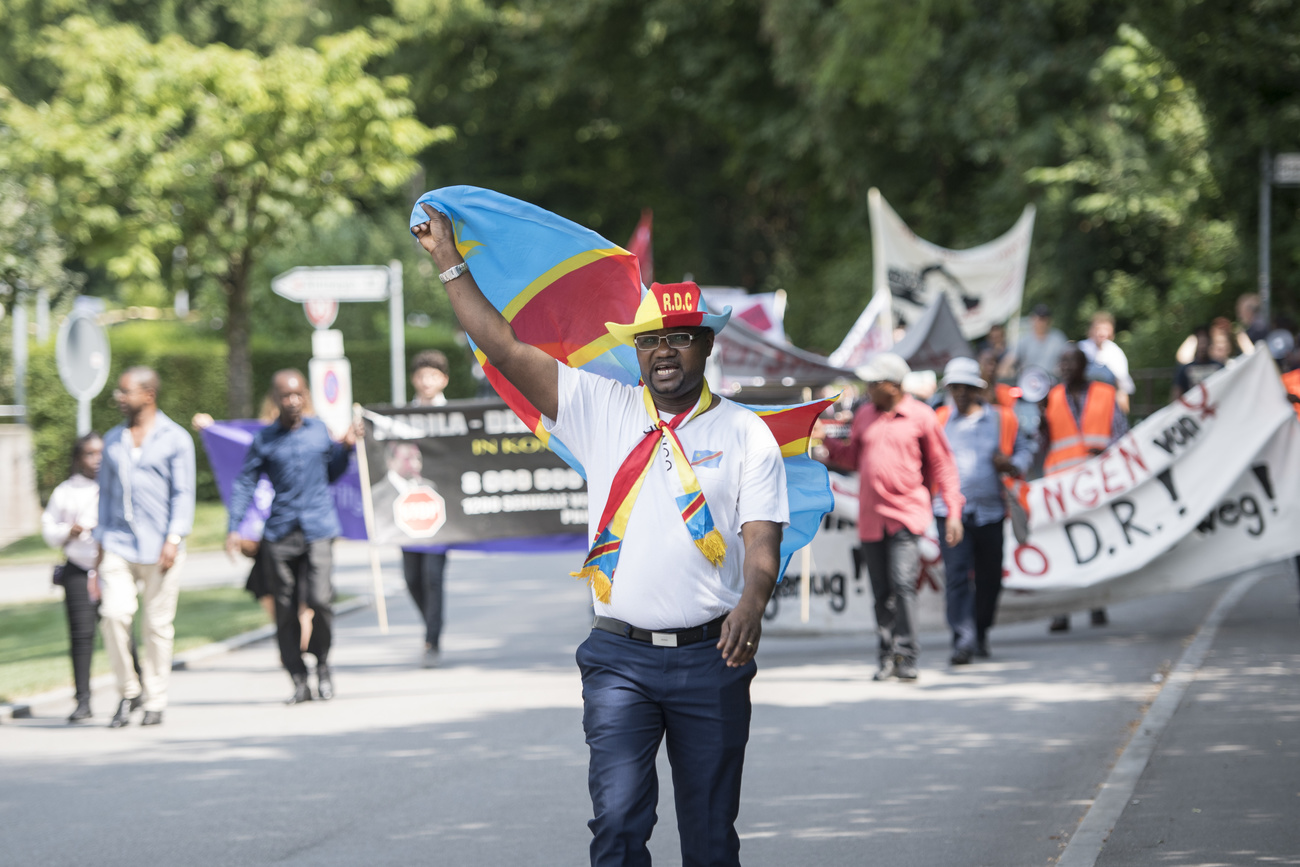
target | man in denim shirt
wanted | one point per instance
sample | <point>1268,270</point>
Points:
<point>146,509</point>
<point>986,443</point>
<point>301,460</point>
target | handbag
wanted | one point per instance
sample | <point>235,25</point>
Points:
<point>58,574</point>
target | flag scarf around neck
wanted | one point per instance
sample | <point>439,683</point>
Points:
<point>557,284</point>
<point>602,560</point>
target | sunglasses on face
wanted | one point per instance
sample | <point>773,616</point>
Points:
<point>676,340</point>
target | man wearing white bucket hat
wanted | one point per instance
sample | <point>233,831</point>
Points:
<point>987,443</point>
<point>899,451</point>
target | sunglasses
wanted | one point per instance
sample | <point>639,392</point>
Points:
<point>676,340</point>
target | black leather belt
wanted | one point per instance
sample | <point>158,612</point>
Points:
<point>673,638</point>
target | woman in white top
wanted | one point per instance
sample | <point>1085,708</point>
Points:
<point>73,511</point>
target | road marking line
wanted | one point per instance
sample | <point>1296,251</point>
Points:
<point>1086,843</point>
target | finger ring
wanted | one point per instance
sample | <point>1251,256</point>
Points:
<point>749,644</point>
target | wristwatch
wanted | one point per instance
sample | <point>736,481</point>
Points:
<point>175,539</point>
<point>453,272</point>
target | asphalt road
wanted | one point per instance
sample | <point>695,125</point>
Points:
<point>482,761</point>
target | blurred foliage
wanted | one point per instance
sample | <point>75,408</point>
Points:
<point>178,165</point>
<point>32,254</point>
<point>1139,177</point>
<point>752,128</point>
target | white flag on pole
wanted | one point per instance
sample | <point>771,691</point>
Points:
<point>872,333</point>
<point>984,284</point>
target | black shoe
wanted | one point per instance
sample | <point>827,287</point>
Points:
<point>82,712</point>
<point>905,669</point>
<point>137,701</point>
<point>324,682</point>
<point>152,718</point>
<point>961,657</point>
<point>1099,617</point>
<point>886,670</point>
<point>301,691</point>
<point>982,648</point>
<point>123,715</point>
<point>1060,624</point>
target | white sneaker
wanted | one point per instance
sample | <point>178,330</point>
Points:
<point>431,657</point>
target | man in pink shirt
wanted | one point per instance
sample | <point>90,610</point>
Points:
<point>901,455</point>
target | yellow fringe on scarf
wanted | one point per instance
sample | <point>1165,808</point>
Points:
<point>713,546</point>
<point>599,581</point>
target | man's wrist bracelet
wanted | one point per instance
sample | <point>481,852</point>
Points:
<point>452,273</point>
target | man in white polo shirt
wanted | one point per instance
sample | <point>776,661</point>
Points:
<point>687,504</point>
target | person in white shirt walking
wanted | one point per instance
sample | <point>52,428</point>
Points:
<point>1100,348</point>
<point>67,522</point>
<point>688,502</point>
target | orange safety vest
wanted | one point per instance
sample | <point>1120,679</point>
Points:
<point>1068,445</point>
<point>1007,430</point>
<point>1005,396</point>
<point>1292,382</point>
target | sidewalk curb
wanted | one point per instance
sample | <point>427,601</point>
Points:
<point>180,662</point>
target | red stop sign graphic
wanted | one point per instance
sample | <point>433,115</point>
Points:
<point>420,512</point>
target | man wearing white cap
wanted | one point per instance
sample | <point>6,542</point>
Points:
<point>899,451</point>
<point>987,443</point>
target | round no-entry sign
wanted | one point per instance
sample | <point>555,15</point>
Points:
<point>321,312</point>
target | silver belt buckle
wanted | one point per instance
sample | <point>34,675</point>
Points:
<point>663,639</point>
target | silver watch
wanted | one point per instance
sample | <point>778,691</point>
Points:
<point>453,272</point>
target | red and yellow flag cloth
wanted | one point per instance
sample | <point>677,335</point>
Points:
<point>558,284</point>
<point>602,559</point>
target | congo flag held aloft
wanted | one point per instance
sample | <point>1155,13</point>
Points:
<point>557,284</point>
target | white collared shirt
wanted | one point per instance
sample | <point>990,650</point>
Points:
<point>75,501</point>
<point>662,580</point>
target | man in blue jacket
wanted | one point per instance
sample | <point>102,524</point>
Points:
<point>300,458</point>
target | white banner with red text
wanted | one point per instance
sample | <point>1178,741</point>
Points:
<point>1120,511</point>
<point>1207,487</point>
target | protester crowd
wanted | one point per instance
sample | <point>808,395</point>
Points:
<point>961,455</point>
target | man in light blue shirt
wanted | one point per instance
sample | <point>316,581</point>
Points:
<point>987,443</point>
<point>146,509</point>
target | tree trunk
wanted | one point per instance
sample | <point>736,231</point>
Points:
<point>239,362</point>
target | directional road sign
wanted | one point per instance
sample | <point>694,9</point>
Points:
<point>1286,170</point>
<point>339,282</point>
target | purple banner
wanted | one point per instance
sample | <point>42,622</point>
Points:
<point>226,443</point>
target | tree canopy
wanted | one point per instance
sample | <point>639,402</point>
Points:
<point>185,141</point>
<point>175,163</point>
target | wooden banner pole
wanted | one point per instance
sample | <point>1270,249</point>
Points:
<point>368,511</point>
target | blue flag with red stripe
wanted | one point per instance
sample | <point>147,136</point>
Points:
<point>557,284</point>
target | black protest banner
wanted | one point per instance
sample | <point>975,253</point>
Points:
<point>466,471</point>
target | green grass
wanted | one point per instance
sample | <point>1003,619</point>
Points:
<point>209,534</point>
<point>34,636</point>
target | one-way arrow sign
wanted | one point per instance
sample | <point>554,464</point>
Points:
<point>336,282</point>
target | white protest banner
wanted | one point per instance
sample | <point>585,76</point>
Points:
<point>1207,487</point>
<point>872,333</point>
<point>984,284</point>
<point>746,358</point>
<point>1119,511</point>
<point>1253,524</point>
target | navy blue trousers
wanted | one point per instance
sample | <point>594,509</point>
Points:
<point>634,696</point>
<point>973,581</point>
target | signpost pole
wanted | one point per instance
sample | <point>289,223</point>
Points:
<point>1265,220</point>
<point>397,332</point>
<point>19,317</point>
<point>805,585</point>
<point>368,513</point>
